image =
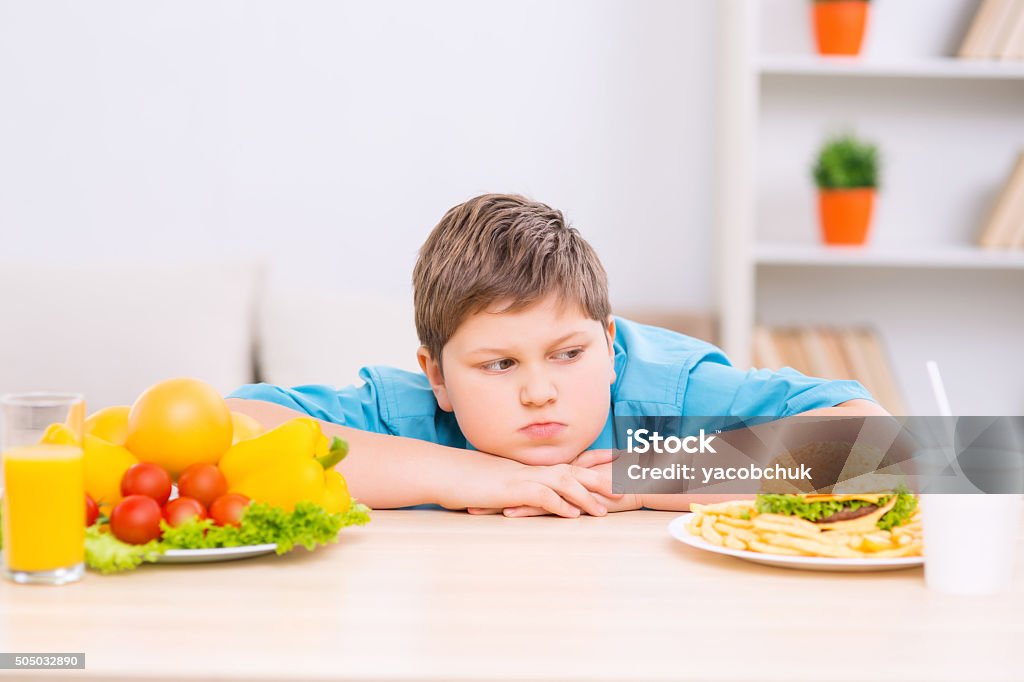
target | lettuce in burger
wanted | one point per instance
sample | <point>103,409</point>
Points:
<point>853,511</point>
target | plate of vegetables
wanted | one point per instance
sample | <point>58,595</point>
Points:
<point>178,477</point>
<point>195,519</point>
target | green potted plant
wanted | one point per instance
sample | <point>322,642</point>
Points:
<point>846,173</point>
<point>839,25</point>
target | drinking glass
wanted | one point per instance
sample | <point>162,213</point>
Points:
<point>43,487</point>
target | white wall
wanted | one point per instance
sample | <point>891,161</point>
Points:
<point>331,136</point>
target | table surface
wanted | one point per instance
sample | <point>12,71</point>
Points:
<point>434,595</point>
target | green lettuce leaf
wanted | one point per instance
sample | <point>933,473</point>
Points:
<point>192,534</point>
<point>900,512</point>
<point>106,554</point>
<point>309,525</point>
<point>794,505</point>
<point>357,515</point>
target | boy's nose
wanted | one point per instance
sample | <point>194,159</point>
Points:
<point>538,390</point>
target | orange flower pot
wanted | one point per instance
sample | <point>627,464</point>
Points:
<point>839,25</point>
<point>846,215</point>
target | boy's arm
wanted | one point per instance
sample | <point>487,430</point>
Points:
<point>386,471</point>
<point>681,502</point>
<point>851,408</point>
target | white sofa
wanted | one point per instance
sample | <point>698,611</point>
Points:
<point>325,337</point>
<point>109,332</point>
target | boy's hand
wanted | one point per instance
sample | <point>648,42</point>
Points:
<point>562,489</point>
<point>592,458</point>
<point>593,461</point>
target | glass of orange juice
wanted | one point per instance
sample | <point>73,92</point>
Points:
<point>43,487</point>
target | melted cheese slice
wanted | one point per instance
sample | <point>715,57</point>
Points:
<point>866,522</point>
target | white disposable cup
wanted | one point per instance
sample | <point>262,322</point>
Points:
<point>969,541</point>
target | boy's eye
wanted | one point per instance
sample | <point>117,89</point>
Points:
<point>499,365</point>
<point>570,354</point>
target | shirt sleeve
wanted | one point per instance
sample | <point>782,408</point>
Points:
<point>355,406</point>
<point>715,389</point>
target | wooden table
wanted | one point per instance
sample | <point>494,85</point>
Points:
<point>433,595</point>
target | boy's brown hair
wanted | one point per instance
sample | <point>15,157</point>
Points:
<point>498,247</point>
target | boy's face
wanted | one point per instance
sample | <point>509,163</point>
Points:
<point>532,385</point>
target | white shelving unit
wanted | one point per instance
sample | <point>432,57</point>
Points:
<point>934,67</point>
<point>948,130</point>
<point>955,257</point>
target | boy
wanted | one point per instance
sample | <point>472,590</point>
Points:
<point>523,369</point>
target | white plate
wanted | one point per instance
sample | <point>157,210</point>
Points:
<point>677,529</point>
<point>201,556</point>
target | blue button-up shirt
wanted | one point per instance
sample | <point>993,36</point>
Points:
<point>658,373</point>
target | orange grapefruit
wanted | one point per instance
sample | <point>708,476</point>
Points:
<point>178,423</point>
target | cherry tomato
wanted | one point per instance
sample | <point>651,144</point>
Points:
<point>181,509</point>
<point>227,510</point>
<point>136,520</point>
<point>92,512</point>
<point>202,482</point>
<point>147,479</point>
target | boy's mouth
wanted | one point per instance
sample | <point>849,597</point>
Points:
<point>542,430</point>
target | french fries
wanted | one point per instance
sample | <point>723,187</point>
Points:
<point>737,525</point>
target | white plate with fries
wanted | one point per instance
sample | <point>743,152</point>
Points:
<point>735,529</point>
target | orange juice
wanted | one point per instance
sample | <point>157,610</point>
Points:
<point>44,507</point>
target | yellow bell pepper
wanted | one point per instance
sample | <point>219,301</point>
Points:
<point>291,463</point>
<point>105,464</point>
<point>297,438</point>
<point>58,434</point>
<point>336,497</point>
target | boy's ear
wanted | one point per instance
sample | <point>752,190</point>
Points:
<point>435,377</point>
<point>610,329</point>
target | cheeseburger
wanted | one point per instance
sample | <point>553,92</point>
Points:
<point>845,512</point>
